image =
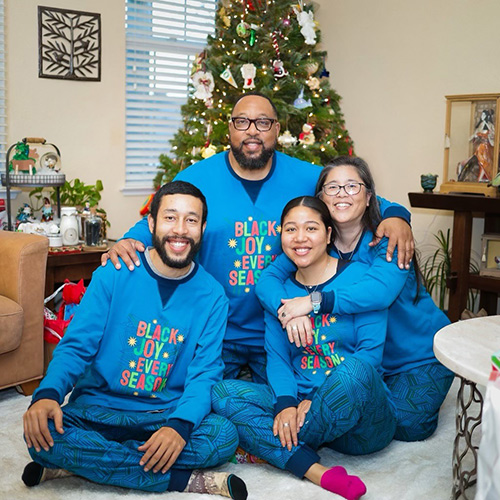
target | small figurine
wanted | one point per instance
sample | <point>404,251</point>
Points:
<point>24,214</point>
<point>47,212</point>
<point>479,167</point>
<point>307,134</point>
<point>279,69</point>
<point>497,261</point>
<point>24,159</point>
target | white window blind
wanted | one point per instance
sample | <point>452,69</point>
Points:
<point>3,111</point>
<point>162,39</point>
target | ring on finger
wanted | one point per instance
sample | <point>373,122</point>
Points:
<point>286,424</point>
<point>294,328</point>
<point>283,314</point>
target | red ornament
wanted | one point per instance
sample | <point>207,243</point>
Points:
<point>249,5</point>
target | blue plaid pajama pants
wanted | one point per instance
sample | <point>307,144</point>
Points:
<point>350,412</point>
<point>417,395</point>
<point>101,444</point>
<point>237,355</point>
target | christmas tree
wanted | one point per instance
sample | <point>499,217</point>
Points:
<point>266,46</point>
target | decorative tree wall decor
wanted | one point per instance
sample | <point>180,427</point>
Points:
<point>69,44</point>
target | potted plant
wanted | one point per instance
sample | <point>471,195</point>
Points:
<point>437,268</point>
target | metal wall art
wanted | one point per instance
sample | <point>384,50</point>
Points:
<point>69,44</point>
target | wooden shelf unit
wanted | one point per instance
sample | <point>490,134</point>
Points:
<point>464,208</point>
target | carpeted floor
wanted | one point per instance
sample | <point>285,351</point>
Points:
<point>403,471</point>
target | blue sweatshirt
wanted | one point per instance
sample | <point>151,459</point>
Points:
<point>294,373</point>
<point>242,236</point>
<point>142,342</point>
<point>411,326</point>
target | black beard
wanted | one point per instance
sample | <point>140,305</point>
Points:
<point>159,246</point>
<point>255,163</point>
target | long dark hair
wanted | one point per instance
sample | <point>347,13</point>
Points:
<point>314,204</point>
<point>372,217</point>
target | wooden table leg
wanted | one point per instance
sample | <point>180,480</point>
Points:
<point>460,262</point>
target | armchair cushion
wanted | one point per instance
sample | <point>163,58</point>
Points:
<point>11,324</point>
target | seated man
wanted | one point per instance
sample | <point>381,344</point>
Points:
<point>142,352</point>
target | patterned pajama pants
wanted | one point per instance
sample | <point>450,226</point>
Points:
<point>101,444</point>
<point>237,355</point>
<point>350,412</point>
<point>418,394</point>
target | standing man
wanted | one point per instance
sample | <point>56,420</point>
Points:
<point>247,188</point>
<point>142,352</point>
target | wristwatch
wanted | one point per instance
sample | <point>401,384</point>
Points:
<point>315,301</point>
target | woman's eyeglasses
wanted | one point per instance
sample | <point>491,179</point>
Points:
<point>352,188</point>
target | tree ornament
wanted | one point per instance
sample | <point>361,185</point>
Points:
<point>228,77</point>
<point>300,102</point>
<point>287,139</point>
<point>279,70</point>
<point>286,22</point>
<point>324,73</point>
<point>208,151</point>
<point>248,72</point>
<point>249,5</point>
<point>253,34</point>
<point>203,82</point>
<point>313,83</point>
<point>198,64</point>
<point>311,67</point>
<point>306,137</point>
<point>306,22</point>
<point>225,19</point>
<point>243,29</point>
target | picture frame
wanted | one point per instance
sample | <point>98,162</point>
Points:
<point>69,44</point>
<point>490,254</point>
<point>471,149</point>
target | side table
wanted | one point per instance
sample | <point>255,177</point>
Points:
<point>465,348</point>
<point>72,266</point>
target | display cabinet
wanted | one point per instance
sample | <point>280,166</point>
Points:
<point>471,149</point>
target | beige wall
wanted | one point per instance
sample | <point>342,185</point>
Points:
<point>86,120</point>
<point>393,62</point>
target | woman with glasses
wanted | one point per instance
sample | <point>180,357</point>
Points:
<point>417,381</point>
<point>329,392</point>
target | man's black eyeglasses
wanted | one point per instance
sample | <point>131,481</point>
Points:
<point>261,124</point>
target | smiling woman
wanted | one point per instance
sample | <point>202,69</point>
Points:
<point>417,381</point>
<point>314,395</point>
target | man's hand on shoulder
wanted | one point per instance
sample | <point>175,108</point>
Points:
<point>35,422</point>
<point>161,450</point>
<point>127,250</point>
<point>400,235</point>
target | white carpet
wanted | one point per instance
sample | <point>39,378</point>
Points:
<point>403,471</point>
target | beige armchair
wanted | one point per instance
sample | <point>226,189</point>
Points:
<point>23,260</point>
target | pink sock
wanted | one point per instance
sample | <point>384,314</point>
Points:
<point>338,481</point>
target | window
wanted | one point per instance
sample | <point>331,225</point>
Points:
<point>162,40</point>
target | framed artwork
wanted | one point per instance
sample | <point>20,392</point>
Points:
<point>490,255</point>
<point>69,44</point>
<point>471,151</point>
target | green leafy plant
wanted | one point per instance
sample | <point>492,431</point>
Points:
<point>437,268</point>
<point>74,193</point>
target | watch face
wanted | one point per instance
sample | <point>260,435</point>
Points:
<point>70,236</point>
<point>316,298</point>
